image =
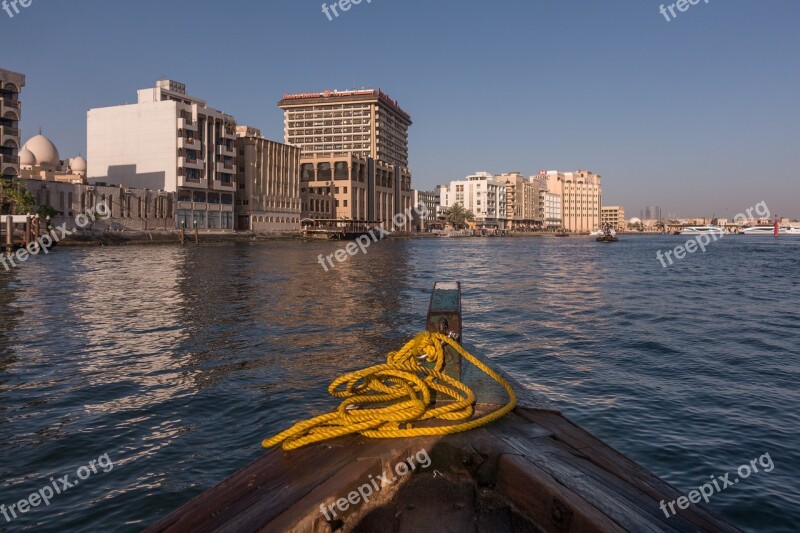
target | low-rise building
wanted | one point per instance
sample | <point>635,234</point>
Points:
<point>581,198</point>
<point>268,178</point>
<point>424,219</point>
<point>614,217</point>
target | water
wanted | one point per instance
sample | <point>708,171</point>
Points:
<point>176,362</point>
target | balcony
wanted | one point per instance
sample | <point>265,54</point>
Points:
<point>7,105</point>
<point>228,133</point>
<point>225,185</point>
<point>190,143</point>
<point>185,162</point>
<point>187,124</point>
<point>223,150</point>
<point>9,159</point>
<point>7,132</point>
<point>222,168</point>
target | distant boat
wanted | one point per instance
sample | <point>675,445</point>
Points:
<point>596,233</point>
<point>702,230</point>
<point>607,235</point>
<point>770,230</point>
<point>562,232</point>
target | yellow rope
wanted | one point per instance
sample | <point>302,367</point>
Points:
<point>407,382</point>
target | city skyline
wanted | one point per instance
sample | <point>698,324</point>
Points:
<point>663,118</point>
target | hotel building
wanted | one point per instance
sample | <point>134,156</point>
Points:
<point>581,197</point>
<point>551,210</point>
<point>172,142</point>
<point>613,216</point>
<point>268,180</point>
<point>11,83</point>
<point>480,193</point>
<point>354,154</point>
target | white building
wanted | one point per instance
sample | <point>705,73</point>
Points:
<point>480,193</point>
<point>172,142</point>
<point>429,199</point>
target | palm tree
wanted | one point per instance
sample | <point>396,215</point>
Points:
<point>457,215</point>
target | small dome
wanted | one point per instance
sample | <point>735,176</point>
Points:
<point>635,221</point>
<point>77,164</point>
<point>45,151</point>
<point>26,158</point>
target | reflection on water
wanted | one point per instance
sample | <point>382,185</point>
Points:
<point>178,361</point>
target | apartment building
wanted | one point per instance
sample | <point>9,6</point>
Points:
<point>268,183</point>
<point>522,201</point>
<point>354,153</point>
<point>11,84</point>
<point>168,141</point>
<point>581,197</point>
<point>480,193</point>
<point>551,210</point>
<point>613,216</point>
<point>425,219</point>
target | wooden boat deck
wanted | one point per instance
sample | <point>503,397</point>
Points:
<point>533,470</point>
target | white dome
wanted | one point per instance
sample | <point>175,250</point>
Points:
<point>77,164</point>
<point>635,220</point>
<point>26,158</point>
<point>45,151</point>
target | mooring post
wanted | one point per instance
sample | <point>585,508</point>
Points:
<point>444,316</point>
<point>196,235</point>
<point>37,223</point>
<point>183,233</point>
<point>9,233</point>
<point>27,230</point>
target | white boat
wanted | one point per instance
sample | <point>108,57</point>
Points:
<point>702,230</point>
<point>770,230</point>
<point>596,233</point>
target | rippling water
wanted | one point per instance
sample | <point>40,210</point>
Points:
<point>176,362</point>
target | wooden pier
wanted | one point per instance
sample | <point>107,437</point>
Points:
<point>17,231</point>
<point>532,470</point>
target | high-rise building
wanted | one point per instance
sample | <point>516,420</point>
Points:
<point>652,212</point>
<point>551,209</point>
<point>172,142</point>
<point>354,153</point>
<point>268,179</point>
<point>581,196</point>
<point>11,83</point>
<point>480,193</point>
<point>614,217</point>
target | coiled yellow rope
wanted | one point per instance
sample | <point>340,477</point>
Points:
<point>406,382</point>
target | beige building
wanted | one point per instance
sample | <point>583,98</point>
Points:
<point>613,216</point>
<point>522,200</point>
<point>581,197</point>
<point>11,83</point>
<point>168,141</point>
<point>354,154</point>
<point>268,179</point>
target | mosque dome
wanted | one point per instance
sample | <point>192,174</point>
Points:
<point>26,158</point>
<point>77,164</point>
<point>44,150</point>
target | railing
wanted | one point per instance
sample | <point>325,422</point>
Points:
<point>8,130</point>
<point>8,102</point>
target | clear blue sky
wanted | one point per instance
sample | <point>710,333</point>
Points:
<point>699,115</point>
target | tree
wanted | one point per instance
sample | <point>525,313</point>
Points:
<point>17,200</point>
<point>457,215</point>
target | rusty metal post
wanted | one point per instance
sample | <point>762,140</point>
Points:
<point>444,316</point>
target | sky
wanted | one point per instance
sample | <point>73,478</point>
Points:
<point>698,115</point>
